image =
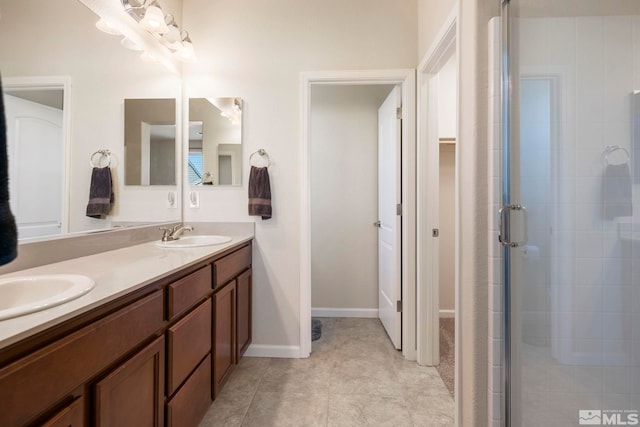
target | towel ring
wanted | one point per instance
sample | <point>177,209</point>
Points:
<point>103,154</point>
<point>262,153</point>
<point>610,149</point>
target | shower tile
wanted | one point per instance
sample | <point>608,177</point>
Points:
<point>618,42</point>
<point>563,33</point>
<point>588,245</point>
<point>589,55</point>
<point>590,136</point>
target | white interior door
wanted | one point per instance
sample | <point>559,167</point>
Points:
<point>389,196</point>
<point>36,166</point>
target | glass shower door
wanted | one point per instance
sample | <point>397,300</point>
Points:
<point>571,221</point>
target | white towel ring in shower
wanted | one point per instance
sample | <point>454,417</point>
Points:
<point>610,149</point>
<point>103,154</point>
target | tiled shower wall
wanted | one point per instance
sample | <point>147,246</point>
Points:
<point>596,63</point>
<point>495,258</point>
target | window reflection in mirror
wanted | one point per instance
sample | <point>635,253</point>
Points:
<point>150,141</point>
<point>215,141</point>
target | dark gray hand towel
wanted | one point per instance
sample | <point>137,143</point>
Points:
<point>259,192</point>
<point>100,193</point>
<point>617,194</point>
<point>8,230</point>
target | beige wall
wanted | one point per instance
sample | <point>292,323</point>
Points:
<point>431,16</point>
<point>447,227</point>
<point>256,50</point>
<point>62,40</point>
<point>344,195</point>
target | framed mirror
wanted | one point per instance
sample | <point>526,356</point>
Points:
<point>215,142</point>
<point>150,141</point>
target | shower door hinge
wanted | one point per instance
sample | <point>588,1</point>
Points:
<point>399,112</point>
<point>399,306</point>
<point>399,209</point>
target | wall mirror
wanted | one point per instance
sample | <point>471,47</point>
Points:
<point>150,141</point>
<point>215,142</point>
<point>59,52</point>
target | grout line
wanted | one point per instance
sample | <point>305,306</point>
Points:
<point>244,416</point>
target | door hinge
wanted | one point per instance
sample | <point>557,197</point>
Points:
<point>399,209</point>
<point>399,306</point>
<point>399,112</point>
<point>435,232</point>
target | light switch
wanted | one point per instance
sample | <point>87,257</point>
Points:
<point>171,200</point>
<point>194,199</point>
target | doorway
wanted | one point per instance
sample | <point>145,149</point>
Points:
<point>347,188</point>
<point>404,79</point>
<point>37,110</point>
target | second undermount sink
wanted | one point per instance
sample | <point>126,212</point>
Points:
<point>194,241</point>
<point>28,294</point>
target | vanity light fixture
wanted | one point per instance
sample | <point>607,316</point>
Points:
<point>130,44</point>
<point>154,20</point>
<point>172,38</point>
<point>186,53</point>
<point>106,27</point>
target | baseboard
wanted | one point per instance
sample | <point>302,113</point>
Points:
<point>447,314</point>
<point>278,351</point>
<point>345,312</point>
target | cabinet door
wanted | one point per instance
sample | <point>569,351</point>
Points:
<point>224,335</point>
<point>133,394</point>
<point>243,314</point>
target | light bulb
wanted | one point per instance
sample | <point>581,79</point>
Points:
<point>106,27</point>
<point>130,44</point>
<point>153,20</point>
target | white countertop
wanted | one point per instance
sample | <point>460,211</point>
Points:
<point>116,273</point>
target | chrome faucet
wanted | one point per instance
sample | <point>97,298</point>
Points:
<point>174,233</point>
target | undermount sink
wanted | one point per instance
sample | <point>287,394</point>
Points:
<point>28,294</point>
<point>194,241</point>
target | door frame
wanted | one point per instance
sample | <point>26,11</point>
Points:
<point>405,78</point>
<point>50,83</point>
<point>428,292</point>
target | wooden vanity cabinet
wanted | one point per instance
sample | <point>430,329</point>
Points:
<point>155,357</point>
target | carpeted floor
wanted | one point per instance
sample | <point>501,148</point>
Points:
<point>446,369</point>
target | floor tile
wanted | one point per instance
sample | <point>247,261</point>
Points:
<point>354,377</point>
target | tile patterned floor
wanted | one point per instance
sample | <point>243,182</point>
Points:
<point>354,377</point>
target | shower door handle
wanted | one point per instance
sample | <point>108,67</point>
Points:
<point>506,223</point>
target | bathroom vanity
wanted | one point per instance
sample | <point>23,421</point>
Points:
<point>153,351</point>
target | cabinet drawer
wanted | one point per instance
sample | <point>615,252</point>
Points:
<point>187,291</point>
<point>188,406</point>
<point>70,416</point>
<point>230,266</point>
<point>189,341</point>
<point>37,381</point>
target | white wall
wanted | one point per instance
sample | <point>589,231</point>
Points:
<point>256,50</point>
<point>448,98</point>
<point>61,39</point>
<point>447,227</point>
<point>344,195</point>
